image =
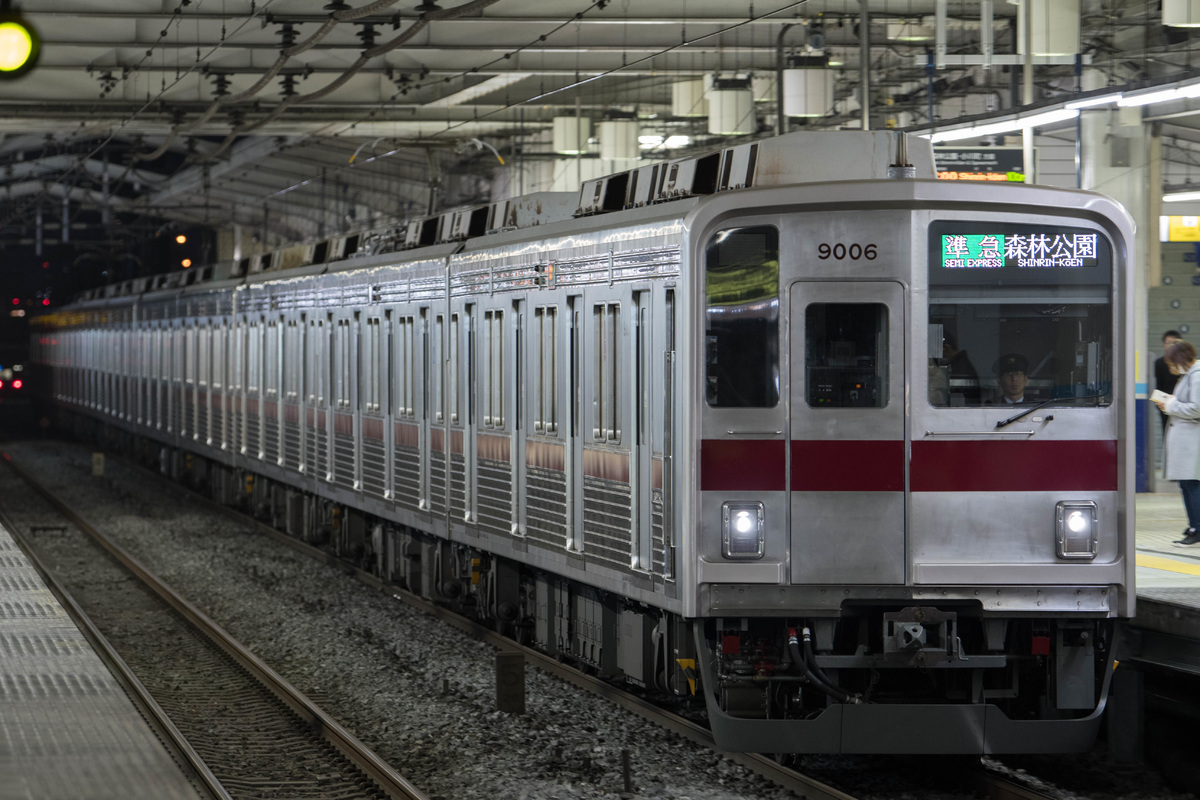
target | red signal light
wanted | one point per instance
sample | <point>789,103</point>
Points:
<point>16,301</point>
<point>18,383</point>
<point>45,301</point>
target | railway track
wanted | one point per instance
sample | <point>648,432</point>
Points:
<point>976,784</point>
<point>243,730</point>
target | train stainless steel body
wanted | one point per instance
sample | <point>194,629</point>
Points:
<point>748,443</point>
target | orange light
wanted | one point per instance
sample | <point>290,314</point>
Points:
<point>187,262</point>
<point>181,239</point>
<point>18,383</point>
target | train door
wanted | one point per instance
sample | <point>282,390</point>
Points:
<point>494,421</point>
<point>573,464</point>
<point>271,381</point>
<point>547,359</point>
<point>847,436</point>
<point>138,410</point>
<point>158,349</point>
<point>409,421</point>
<point>219,385</point>
<point>191,361</point>
<point>374,406</point>
<point>315,460</point>
<point>177,368</point>
<point>252,446</point>
<point>641,473</point>
<point>293,371</point>
<point>460,393</point>
<point>344,363</point>
<point>516,391</point>
<point>609,516</point>
<point>435,474</point>
<point>203,431</point>
<point>236,401</point>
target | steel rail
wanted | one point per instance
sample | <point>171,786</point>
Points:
<point>159,721</point>
<point>345,742</point>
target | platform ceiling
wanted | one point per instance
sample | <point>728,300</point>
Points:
<point>301,118</point>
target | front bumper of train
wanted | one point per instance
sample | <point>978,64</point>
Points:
<point>899,729</point>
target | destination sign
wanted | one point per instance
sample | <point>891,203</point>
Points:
<point>1029,251</point>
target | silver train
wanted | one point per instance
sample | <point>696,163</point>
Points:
<point>730,426</point>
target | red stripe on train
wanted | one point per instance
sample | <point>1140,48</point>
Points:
<point>1014,466</point>
<point>878,466</point>
<point>742,466</point>
<point>847,466</point>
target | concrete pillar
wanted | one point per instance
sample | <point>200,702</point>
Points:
<point>1118,154</point>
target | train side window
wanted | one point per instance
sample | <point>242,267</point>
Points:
<point>292,347</point>
<point>205,345</point>
<point>406,376</point>
<point>845,355</point>
<point>369,374</point>
<point>742,319</point>
<point>254,352</point>
<point>545,418</point>
<point>217,354</point>
<point>492,391</point>
<point>607,325</point>
<point>190,364</point>
<point>271,361</point>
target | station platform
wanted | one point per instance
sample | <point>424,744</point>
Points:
<point>1168,577</point>
<point>1161,566</point>
<point>67,727</point>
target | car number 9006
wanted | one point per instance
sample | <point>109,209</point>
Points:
<point>841,252</point>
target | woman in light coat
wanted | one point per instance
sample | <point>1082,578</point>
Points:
<point>1181,446</point>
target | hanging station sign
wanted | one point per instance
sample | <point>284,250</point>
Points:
<point>980,163</point>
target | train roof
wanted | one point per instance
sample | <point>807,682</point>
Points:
<point>794,158</point>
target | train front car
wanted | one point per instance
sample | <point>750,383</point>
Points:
<point>913,423</point>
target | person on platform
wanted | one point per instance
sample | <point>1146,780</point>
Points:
<point>1010,374</point>
<point>1181,444</point>
<point>1164,380</point>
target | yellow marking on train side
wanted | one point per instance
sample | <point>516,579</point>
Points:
<point>1167,564</point>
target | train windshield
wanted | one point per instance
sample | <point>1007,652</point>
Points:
<point>742,318</point>
<point>1019,314</point>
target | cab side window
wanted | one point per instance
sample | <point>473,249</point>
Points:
<point>742,318</point>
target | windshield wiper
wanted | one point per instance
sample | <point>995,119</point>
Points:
<point>1002,423</point>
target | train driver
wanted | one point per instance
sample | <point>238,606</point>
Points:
<point>1011,372</point>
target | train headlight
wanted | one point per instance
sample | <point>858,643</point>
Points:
<point>1076,529</point>
<point>743,530</point>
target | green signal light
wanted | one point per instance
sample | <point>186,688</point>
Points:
<point>19,46</point>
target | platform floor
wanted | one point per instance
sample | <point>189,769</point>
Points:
<point>67,728</point>
<point>1165,571</point>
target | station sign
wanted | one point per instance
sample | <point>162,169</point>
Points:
<point>980,163</point>
<point>1179,229</point>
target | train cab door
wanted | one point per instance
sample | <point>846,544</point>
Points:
<point>847,432</point>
